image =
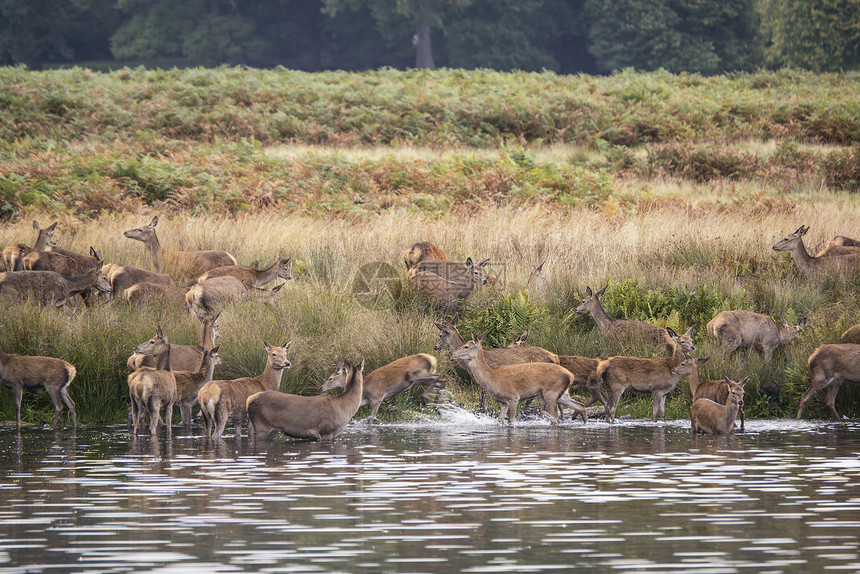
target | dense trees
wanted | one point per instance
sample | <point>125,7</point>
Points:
<point>568,36</point>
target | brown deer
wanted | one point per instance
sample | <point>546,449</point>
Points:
<point>708,416</point>
<point>628,328</point>
<point>153,388</point>
<point>510,384</point>
<point>19,372</point>
<point>835,245</point>
<point>147,292</point>
<point>317,418</point>
<point>851,335</point>
<point>222,400</point>
<point>252,277</point>
<point>536,282</point>
<point>14,254</point>
<point>210,295</point>
<point>122,277</point>
<point>447,283</point>
<point>715,390</point>
<point>736,329</point>
<point>188,383</point>
<point>49,287</point>
<point>183,357</point>
<point>656,376</point>
<point>520,340</point>
<point>815,267</point>
<point>421,251</point>
<point>67,263</point>
<point>188,264</point>
<point>829,366</point>
<point>392,379</point>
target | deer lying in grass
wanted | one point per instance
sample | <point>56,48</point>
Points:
<point>422,251</point>
<point>656,376</point>
<point>183,357</point>
<point>851,335</point>
<point>122,277</point>
<point>14,254</point>
<point>715,390</point>
<point>212,294</point>
<point>147,292</point>
<point>708,416</point>
<point>19,372</point>
<point>628,328</point>
<point>736,329</point>
<point>829,366</point>
<point>510,384</point>
<point>392,379</point>
<point>816,267</point>
<point>189,383</point>
<point>252,277</point>
<point>835,246</point>
<point>189,264</point>
<point>49,287</point>
<point>317,418</point>
<point>447,283</point>
<point>153,388</point>
<point>225,399</point>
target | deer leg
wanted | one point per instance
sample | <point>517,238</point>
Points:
<point>551,405</point>
<point>832,391</point>
<point>578,408</point>
<point>741,411</point>
<point>54,395</point>
<point>374,406</point>
<point>482,402</point>
<point>154,415</point>
<point>19,394</point>
<point>185,414</point>
<point>168,418</point>
<point>818,382</point>
<point>64,394</point>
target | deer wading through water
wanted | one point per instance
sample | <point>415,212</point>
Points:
<point>320,417</point>
<point>829,366</point>
<point>153,388</point>
<point>707,416</point>
<point>716,390</point>
<point>188,383</point>
<point>183,357</point>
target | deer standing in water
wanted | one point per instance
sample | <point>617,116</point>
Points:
<point>716,390</point>
<point>708,416</point>
<point>829,366</point>
<point>183,357</point>
<point>153,388</point>
<point>188,383</point>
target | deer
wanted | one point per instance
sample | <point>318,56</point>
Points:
<point>122,277</point>
<point>835,245</point>
<point>13,254</point>
<point>225,399</point>
<point>536,283</point>
<point>392,379</point>
<point>519,341</point>
<point>447,283</point>
<point>708,416</point>
<point>421,251</point>
<point>143,292</point>
<point>19,372</point>
<point>510,384</point>
<point>628,328</point>
<point>320,417</point>
<point>252,277</point>
<point>190,264</point>
<point>153,388</point>
<point>66,263</point>
<point>183,357</point>
<point>188,383</point>
<point>815,267</point>
<point>656,376</point>
<point>212,294</point>
<point>49,287</point>
<point>851,335</point>
<point>737,329</point>
<point>715,390</point>
<point>829,365</point>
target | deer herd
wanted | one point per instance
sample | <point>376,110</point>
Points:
<point>164,374</point>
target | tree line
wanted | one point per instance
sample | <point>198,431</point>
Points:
<point>566,36</point>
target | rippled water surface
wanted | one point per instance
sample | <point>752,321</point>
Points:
<point>465,495</point>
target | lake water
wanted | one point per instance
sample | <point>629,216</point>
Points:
<point>458,494</point>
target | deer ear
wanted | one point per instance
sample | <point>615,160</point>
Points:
<point>483,336</point>
<point>588,292</point>
<point>154,222</point>
<point>483,263</point>
<point>801,324</point>
<point>287,344</point>
<point>201,348</point>
<point>53,226</point>
<point>539,268</point>
<point>361,366</point>
<point>601,292</point>
<point>469,263</point>
<point>36,225</point>
<point>268,346</point>
<point>215,349</point>
<point>744,381</point>
<point>689,332</point>
<point>215,318</point>
<point>703,359</point>
<point>277,288</point>
<point>671,332</point>
<point>159,332</point>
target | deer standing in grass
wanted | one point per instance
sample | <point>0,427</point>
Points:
<point>189,264</point>
<point>252,277</point>
<point>510,384</point>
<point>816,267</point>
<point>708,416</point>
<point>225,399</point>
<point>656,376</point>
<point>188,383</point>
<point>536,283</point>
<point>317,418</point>
<point>447,283</point>
<point>628,328</point>
<point>153,388</point>
<point>212,294</point>
<point>68,264</point>
<point>148,292</point>
<point>14,254</point>
<point>123,277</point>
<point>422,251</point>
<point>716,390</point>
<point>183,357</point>
<point>392,379</point>
<point>19,372</point>
<point>829,366</point>
<point>49,287</point>
<point>736,329</point>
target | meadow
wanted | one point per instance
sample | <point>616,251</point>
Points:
<point>671,190</point>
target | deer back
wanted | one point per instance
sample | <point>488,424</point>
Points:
<point>422,251</point>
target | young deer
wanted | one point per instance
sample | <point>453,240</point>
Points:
<point>628,328</point>
<point>715,390</point>
<point>735,329</point>
<point>212,294</point>
<point>188,383</point>
<point>829,365</point>
<point>656,376</point>
<point>815,267</point>
<point>510,384</point>
<point>851,335</point>
<point>183,357</point>
<point>189,264</point>
<point>422,251</point>
<point>708,416</point>
<point>152,389</point>
<point>222,400</point>
<point>317,418</point>
<point>14,254</point>
<point>392,379</point>
<point>49,287</point>
<point>19,372</point>
<point>252,277</point>
<point>520,340</point>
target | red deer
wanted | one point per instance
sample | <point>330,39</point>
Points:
<point>152,389</point>
<point>122,277</point>
<point>536,282</point>
<point>829,365</point>
<point>736,329</point>
<point>252,277</point>
<point>147,292</point>
<point>49,287</point>
<point>66,263</point>
<point>317,418</point>
<point>447,283</point>
<point>851,335</point>
<point>707,416</point>
<point>421,251</point>
<point>13,254</point>
<point>520,340</point>
<point>188,383</point>
<point>183,357</point>
<point>716,390</point>
<point>212,294</point>
<point>840,245</point>
<point>815,267</point>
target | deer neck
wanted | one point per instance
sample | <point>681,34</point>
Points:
<point>271,377</point>
<point>268,275</point>
<point>786,334</point>
<point>800,255</point>
<point>208,370</point>
<point>353,391</point>
<point>694,379</point>
<point>207,339</point>
<point>156,253</point>
<point>480,370</point>
<point>678,354</point>
<point>603,320</point>
<point>82,282</point>
<point>162,361</point>
<point>41,241</point>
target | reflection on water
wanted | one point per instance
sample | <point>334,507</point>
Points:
<point>461,494</point>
